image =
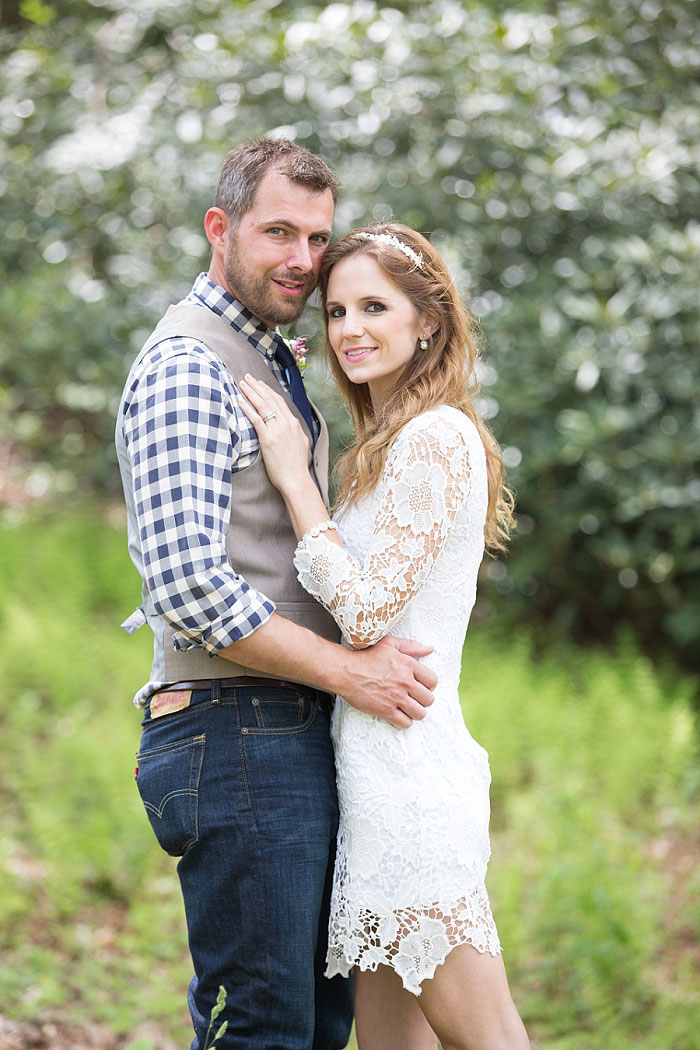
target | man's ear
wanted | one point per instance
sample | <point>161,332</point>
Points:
<point>216,227</point>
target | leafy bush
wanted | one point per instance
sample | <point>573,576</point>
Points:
<point>551,151</point>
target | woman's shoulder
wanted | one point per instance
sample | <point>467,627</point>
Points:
<point>443,424</point>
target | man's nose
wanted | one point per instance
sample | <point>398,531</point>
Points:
<point>300,257</point>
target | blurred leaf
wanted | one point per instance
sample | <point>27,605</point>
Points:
<point>551,151</point>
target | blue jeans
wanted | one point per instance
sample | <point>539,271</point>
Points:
<point>241,786</point>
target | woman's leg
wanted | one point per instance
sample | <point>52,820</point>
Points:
<point>387,1017</point>
<point>468,1003</point>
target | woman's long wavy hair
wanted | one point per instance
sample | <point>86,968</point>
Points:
<point>444,374</point>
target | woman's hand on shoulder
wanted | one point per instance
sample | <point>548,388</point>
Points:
<point>283,440</point>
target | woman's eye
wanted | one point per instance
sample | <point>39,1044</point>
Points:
<point>375,308</point>
<point>336,312</point>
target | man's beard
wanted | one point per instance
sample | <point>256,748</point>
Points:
<point>256,293</point>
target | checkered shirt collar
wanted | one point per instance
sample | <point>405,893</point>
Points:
<point>237,315</point>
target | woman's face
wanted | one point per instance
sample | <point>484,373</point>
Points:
<point>373,327</point>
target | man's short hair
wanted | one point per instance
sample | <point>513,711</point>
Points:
<point>245,166</point>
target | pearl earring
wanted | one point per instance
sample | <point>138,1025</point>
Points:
<point>423,344</point>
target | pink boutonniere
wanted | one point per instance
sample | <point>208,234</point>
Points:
<point>299,351</point>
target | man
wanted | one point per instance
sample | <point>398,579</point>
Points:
<point>235,767</point>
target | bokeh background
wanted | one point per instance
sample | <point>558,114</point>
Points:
<point>551,150</point>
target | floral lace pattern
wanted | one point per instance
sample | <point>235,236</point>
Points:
<point>413,842</point>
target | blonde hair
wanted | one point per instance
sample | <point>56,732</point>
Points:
<point>444,374</point>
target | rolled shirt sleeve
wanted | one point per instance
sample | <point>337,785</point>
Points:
<point>186,436</point>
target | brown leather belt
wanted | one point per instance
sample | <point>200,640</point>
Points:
<point>243,680</point>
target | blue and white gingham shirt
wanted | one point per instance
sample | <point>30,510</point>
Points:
<point>186,435</point>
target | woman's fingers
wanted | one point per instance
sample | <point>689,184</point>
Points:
<point>250,412</point>
<point>257,406</point>
<point>282,439</point>
<point>252,392</point>
<point>263,399</point>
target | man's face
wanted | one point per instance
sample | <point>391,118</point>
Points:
<point>274,253</point>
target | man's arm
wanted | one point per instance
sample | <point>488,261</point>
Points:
<point>184,438</point>
<point>385,680</point>
<point>184,433</point>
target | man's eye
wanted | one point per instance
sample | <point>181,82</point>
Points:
<point>320,239</point>
<point>275,229</point>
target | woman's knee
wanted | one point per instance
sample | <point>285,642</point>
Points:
<point>506,1033</point>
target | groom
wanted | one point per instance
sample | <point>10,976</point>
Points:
<point>236,767</point>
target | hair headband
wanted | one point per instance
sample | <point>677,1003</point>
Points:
<point>388,238</point>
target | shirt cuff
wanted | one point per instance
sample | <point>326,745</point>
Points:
<point>219,635</point>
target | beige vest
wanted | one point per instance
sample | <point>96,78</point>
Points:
<point>260,541</point>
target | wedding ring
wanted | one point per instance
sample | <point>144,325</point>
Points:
<point>270,415</point>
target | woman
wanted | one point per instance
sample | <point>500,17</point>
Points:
<point>421,494</point>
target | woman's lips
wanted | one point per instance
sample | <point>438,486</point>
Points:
<point>358,353</point>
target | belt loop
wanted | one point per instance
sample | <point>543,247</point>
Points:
<point>215,690</point>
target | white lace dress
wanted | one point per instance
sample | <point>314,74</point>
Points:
<point>413,842</point>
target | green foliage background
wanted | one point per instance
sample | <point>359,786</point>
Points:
<point>551,151</point>
<point>594,876</point>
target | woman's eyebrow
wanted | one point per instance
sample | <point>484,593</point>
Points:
<point>362,299</point>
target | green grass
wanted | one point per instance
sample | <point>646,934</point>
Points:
<point>594,877</point>
<point>594,775</point>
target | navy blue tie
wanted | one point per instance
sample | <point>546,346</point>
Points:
<point>285,358</point>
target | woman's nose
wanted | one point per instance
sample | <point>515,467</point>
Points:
<point>352,324</point>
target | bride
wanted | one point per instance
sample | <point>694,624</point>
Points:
<point>421,496</point>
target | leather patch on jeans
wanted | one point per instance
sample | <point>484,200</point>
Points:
<point>166,703</point>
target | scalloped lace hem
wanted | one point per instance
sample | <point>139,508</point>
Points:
<point>419,940</point>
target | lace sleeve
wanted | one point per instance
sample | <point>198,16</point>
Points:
<point>426,479</point>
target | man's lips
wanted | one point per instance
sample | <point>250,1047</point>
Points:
<point>290,287</point>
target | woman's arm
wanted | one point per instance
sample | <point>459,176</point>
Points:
<point>284,444</point>
<point>426,480</point>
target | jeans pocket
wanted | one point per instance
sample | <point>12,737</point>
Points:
<point>168,783</point>
<point>285,712</point>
